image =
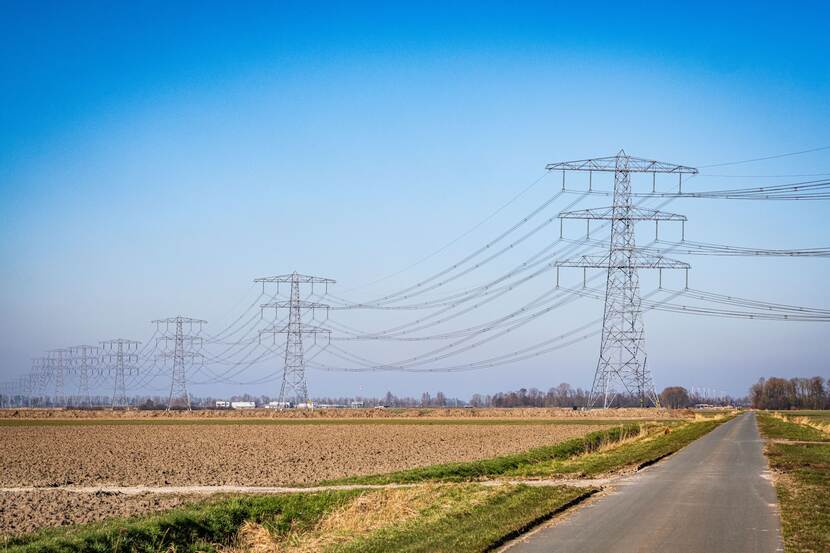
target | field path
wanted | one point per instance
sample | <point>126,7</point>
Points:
<point>163,490</point>
<point>714,496</point>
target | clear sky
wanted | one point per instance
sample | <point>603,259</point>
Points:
<point>156,157</point>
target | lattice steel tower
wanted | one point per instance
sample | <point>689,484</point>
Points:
<point>119,357</point>
<point>294,388</point>
<point>622,356</point>
<point>58,363</point>
<point>84,361</point>
<point>40,368</point>
<point>181,348</point>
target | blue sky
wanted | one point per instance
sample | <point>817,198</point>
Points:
<point>156,157</point>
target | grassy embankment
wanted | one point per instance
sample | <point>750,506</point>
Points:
<point>455,517</point>
<point>603,451</point>
<point>802,480</point>
<point>458,517</point>
<point>190,528</point>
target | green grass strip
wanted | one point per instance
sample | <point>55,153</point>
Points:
<point>482,528</point>
<point>186,529</point>
<point>574,457</point>
<point>775,428</point>
<point>802,485</point>
<point>636,453</point>
<point>497,466</point>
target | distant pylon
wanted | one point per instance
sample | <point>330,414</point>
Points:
<point>294,388</point>
<point>85,361</point>
<point>622,357</point>
<point>182,353</point>
<point>119,357</point>
<point>59,360</point>
<point>40,367</point>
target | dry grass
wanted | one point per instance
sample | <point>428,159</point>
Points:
<point>365,514</point>
<point>629,435</point>
<point>715,415</point>
<point>807,421</point>
<point>804,421</point>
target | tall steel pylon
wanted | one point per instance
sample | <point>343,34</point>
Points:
<point>179,347</point>
<point>294,388</point>
<point>119,357</point>
<point>58,363</point>
<point>622,356</point>
<point>5,394</point>
<point>85,361</point>
<point>40,368</point>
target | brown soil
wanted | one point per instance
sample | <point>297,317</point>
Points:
<point>206,454</point>
<point>22,512</point>
<point>262,455</point>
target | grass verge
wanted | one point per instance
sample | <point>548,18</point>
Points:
<point>497,466</point>
<point>191,528</point>
<point>462,518</point>
<point>655,443</point>
<point>504,515</point>
<point>592,454</point>
<point>776,427</point>
<point>802,482</point>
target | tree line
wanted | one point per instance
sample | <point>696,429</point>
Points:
<point>795,393</point>
<point>767,393</point>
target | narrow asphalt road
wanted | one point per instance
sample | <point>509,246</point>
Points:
<point>710,497</point>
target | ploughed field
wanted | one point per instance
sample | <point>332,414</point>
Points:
<point>54,456</point>
<point>253,455</point>
<point>22,512</point>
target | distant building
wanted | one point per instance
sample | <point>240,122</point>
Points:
<point>243,405</point>
<point>223,404</point>
<point>279,405</point>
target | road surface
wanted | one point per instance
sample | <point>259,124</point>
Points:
<point>710,497</point>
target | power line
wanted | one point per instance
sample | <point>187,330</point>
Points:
<point>774,156</point>
<point>457,238</point>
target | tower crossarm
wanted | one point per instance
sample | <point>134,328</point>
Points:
<point>184,354</point>
<point>295,277</point>
<point>181,337</point>
<point>609,164</point>
<point>123,341</point>
<point>302,304</point>
<point>638,260</point>
<point>623,212</point>
<point>287,329</point>
<point>180,320</point>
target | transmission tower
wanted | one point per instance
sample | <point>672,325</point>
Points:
<point>58,363</point>
<point>182,349</point>
<point>294,388</point>
<point>119,357</point>
<point>622,356</point>
<point>29,386</point>
<point>5,394</point>
<point>40,370</point>
<point>85,361</point>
